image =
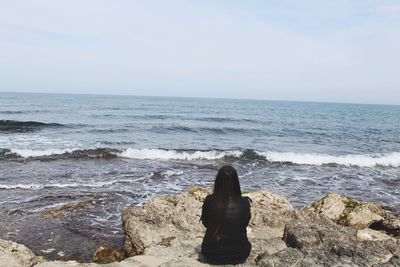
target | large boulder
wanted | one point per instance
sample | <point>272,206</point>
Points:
<point>161,219</point>
<point>315,240</point>
<point>269,215</point>
<point>16,255</point>
<point>348,211</point>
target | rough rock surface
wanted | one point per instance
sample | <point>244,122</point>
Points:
<point>16,255</point>
<point>167,232</point>
<point>348,212</point>
<point>315,240</point>
<point>392,225</point>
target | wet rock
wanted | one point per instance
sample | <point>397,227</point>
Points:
<point>105,254</point>
<point>64,210</point>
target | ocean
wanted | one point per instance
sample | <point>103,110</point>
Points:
<point>100,154</point>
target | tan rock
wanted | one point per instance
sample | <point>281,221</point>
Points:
<point>269,214</point>
<point>368,234</point>
<point>331,206</point>
<point>348,211</point>
<point>16,255</point>
<point>315,240</point>
<point>360,217</point>
<point>131,262</point>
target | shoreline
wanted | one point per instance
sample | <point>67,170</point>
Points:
<point>167,232</point>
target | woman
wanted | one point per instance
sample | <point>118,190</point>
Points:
<point>226,214</point>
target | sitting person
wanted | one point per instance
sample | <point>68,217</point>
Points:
<point>226,214</point>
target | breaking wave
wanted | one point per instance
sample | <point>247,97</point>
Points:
<point>177,154</point>
<point>365,160</point>
<point>54,154</point>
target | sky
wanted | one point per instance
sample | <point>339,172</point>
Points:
<point>310,50</point>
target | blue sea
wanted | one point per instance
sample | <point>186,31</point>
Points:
<point>101,154</point>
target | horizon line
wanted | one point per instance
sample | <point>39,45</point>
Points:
<point>201,97</point>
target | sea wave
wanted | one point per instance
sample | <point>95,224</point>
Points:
<point>162,154</point>
<point>175,129</point>
<point>11,112</point>
<point>32,186</point>
<point>151,175</point>
<point>24,111</point>
<point>362,160</point>
<point>366,160</point>
<point>54,154</point>
<point>24,126</point>
<point>224,119</point>
<point>212,130</point>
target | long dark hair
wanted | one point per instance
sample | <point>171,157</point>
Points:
<point>226,185</point>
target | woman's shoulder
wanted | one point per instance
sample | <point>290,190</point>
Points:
<point>242,199</point>
<point>246,200</point>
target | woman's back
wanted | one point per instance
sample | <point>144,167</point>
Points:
<point>226,240</point>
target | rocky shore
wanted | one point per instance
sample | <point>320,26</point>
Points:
<point>334,231</point>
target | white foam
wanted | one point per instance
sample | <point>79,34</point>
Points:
<point>366,160</point>
<point>63,185</point>
<point>146,153</point>
<point>95,184</point>
<point>26,153</point>
<point>22,186</point>
<point>49,250</point>
<point>58,185</point>
<point>32,186</point>
<point>169,173</point>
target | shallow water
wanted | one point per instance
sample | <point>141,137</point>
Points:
<point>110,152</point>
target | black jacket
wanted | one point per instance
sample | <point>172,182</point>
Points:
<point>233,246</point>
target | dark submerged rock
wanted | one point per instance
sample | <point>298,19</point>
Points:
<point>105,254</point>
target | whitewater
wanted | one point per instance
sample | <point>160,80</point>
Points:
<point>367,160</point>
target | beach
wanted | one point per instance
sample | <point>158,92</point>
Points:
<point>93,156</point>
